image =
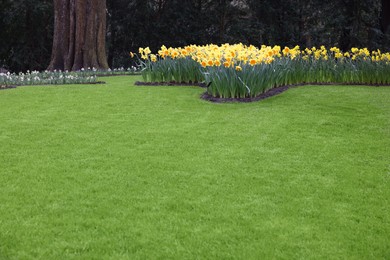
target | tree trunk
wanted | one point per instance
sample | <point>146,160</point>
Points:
<point>79,35</point>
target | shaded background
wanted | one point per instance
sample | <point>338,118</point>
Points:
<point>26,26</point>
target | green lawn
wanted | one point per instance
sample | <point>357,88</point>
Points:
<point>117,171</point>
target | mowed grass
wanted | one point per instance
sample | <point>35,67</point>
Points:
<point>117,171</point>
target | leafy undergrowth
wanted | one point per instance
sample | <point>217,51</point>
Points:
<point>119,171</point>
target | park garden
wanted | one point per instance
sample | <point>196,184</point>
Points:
<point>225,150</point>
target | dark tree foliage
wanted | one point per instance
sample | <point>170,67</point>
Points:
<point>25,34</point>
<point>362,23</point>
<point>385,16</point>
<point>26,27</point>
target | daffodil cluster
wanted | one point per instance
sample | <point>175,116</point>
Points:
<point>238,70</point>
<point>228,55</point>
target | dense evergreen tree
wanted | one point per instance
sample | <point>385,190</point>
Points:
<point>26,33</point>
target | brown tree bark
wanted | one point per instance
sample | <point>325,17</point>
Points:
<point>79,35</point>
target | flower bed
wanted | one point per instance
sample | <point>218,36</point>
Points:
<point>84,76</point>
<point>44,78</point>
<point>240,71</point>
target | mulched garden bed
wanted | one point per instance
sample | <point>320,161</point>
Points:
<point>340,84</point>
<point>14,86</point>
<point>206,96</point>
<point>269,93</point>
<point>97,82</point>
<point>6,87</point>
<point>277,91</point>
<point>172,83</point>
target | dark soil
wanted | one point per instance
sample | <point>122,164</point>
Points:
<point>13,86</point>
<point>206,96</point>
<point>172,83</point>
<point>97,82</point>
<point>276,91</point>
<point>6,87</point>
<point>340,84</point>
<point>115,75</point>
<point>269,93</point>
